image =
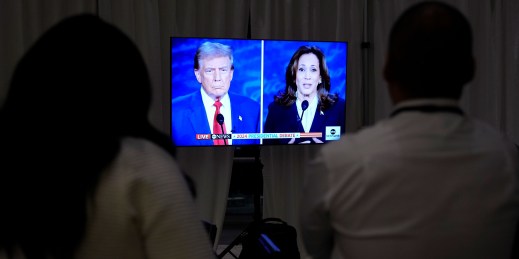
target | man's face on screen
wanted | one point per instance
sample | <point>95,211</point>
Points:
<point>215,75</point>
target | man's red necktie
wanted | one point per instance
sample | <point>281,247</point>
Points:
<point>217,129</point>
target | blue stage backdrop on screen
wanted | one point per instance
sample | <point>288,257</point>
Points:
<point>277,56</point>
<point>258,76</point>
<point>247,66</point>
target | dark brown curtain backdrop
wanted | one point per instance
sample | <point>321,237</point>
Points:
<point>492,96</point>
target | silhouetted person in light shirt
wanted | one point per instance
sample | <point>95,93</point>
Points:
<point>427,182</point>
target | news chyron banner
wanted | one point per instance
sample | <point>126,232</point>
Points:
<point>333,133</point>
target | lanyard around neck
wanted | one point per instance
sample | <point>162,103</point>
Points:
<point>429,109</point>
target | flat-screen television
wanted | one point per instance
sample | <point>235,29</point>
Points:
<point>249,92</point>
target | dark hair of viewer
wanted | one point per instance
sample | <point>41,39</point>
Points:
<point>430,51</point>
<point>288,97</point>
<point>81,88</point>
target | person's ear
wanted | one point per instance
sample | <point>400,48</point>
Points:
<point>395,93</point>
<point>197,75</point>
<point>468,74</point>
<point>388,72</point>
<point>231,74</point>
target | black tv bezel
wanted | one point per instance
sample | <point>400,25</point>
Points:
<point>252,147</point>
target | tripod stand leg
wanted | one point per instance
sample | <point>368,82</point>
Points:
<point>238,240</point>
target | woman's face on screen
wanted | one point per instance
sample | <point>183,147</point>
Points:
<point>308,76</point>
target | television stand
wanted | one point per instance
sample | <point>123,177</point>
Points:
<point>247,173</point>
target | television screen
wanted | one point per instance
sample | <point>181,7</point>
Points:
<point>244,92</point>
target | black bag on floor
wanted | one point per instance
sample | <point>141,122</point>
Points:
<point>268,239</point>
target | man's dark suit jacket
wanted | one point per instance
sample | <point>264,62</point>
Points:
<point>188,118</point>
<point>286,119</point>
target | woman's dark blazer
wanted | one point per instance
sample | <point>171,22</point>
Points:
<point>286,119</point>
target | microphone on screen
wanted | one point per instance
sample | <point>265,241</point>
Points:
<point>220,119</point>
<point>304,106</point>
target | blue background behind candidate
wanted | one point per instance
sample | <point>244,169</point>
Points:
<point>247,66</point>
<point>277,57</point>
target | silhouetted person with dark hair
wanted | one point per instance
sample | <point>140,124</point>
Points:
<point>428,182</point>
<point>83,174</point>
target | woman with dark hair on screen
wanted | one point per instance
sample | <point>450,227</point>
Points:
<point>306,105</point>
<point>83,174</point>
